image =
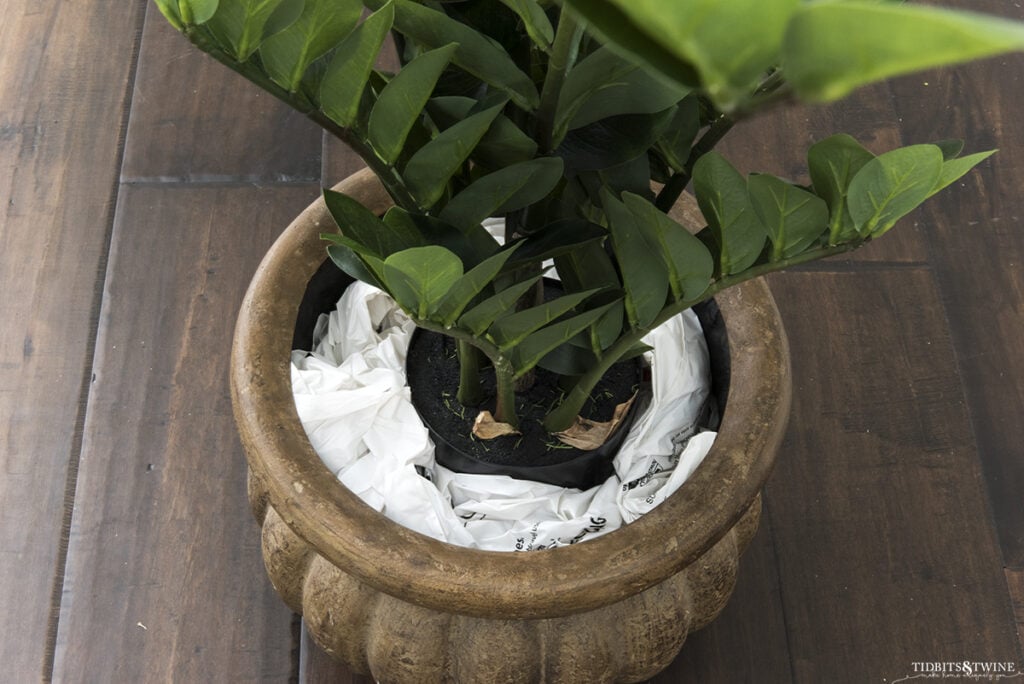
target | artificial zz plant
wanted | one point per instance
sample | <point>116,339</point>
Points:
<point>580,122</point>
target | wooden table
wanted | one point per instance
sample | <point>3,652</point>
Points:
<point>142,182</point>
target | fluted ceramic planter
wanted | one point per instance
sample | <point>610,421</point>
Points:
<point>407,608</point>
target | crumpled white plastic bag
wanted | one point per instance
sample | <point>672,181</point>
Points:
<point>351,396</point>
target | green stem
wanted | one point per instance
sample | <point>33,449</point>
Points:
<point>669,194</point>
<point>470,393</point>
<point>564,415</point>
<point>505,399</point>
<point>563,56</point>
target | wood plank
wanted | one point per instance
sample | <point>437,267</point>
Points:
<point>1015,581</point>
<point>747,642</point>
<point>316,667</point>
<point>886,551</point>
<point>185,120</point>
<point>164,552</point>
<point>976,233</point>
<point>65,72</point>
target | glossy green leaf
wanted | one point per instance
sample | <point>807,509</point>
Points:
<point>677,141</point>
<point>504,143</point>
<point>833,163</point>
<point>558,238</point>
<point>509,189</point>
<point>472,244</point>
<point>469,286</point>
<point>531,350</point>
<point>341,89</point>
<point>793,217</point>
<point>729,44</point>
<point>722,195</point>
<point>401,103</point>
<point>612,141</point>
<point>833,47</point>
<point>951,149</point>
<point>481,316</point>
<point>535,21</point>
<point>606,84</point>
<point>355,260</point>
<point>360,224</point>
<point>588,267</point>
<point>954,169</point>
<point>171,12</point>
<point>427,173</point>
<point>420,277</point>
<point>193,11</point>
<point>645,279</point>
<point>690,264</point>
<point>477,54</point>
<point>241,25</point>
<point>892,185</point>
<point>321,26</point>
<point>514,328</point>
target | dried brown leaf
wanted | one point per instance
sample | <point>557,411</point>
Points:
<point>485,427</point>
<point>588,434</point>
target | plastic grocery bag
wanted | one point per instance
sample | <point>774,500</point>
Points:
<point>354,403</point>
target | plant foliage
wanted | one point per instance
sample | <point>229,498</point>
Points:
<point>558,117</point>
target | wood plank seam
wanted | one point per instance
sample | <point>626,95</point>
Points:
<point>766,503</point>
<point>88,375</point>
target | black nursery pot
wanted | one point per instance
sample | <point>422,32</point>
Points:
<point>526,459</point>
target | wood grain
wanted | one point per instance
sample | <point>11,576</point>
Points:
<point>885,546</point>
<point>186,115</point>
<point>65,71</point>
<point>976,238</point>
<point>1015,582</point>
<point>164,554</point>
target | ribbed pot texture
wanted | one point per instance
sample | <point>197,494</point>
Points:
<point>407,608</point>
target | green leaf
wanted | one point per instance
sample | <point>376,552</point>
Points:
<point>558,238</point>
<point>355,260</point>
<point>477,54</point>
<point>513,329</point>
<point>241,25</point>
<point>360,224</point>
<point>427,173</point>
<point>612,141</point>
<point>954,169</point>
<point>794,218</point>
<point>503,191</point>
<point>722,195</point>
<point>690,264</point>
<point>469,286</point>
<point>419,277</point>
<point>193,11</point>
<point>892,185</point>
<point>401,102</point>
<point>833,47</point>
<point>646,279</point>
<point>472,244</point>
<point>169,8</point>
<point>480,317</point>
<point>951,149</point>
<point>588,267</point>
<point>833,163</point>
<point>322,25</point>
<point>677,141</point>
<point>504,143</point>
<point>341,89</point>
<point>730,44</point>
<point>535,21</point>
<point>529,352</point>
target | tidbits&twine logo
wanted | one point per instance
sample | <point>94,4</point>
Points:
<point>962,669</point>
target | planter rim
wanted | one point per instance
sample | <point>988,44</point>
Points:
<point>431,573</point>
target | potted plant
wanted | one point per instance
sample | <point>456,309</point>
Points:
<point>581,124</point>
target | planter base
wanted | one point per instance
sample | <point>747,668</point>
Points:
<point>396,641</point>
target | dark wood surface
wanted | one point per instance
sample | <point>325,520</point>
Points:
<point>142,182</point>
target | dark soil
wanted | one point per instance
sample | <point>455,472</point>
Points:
<point>432,369</point>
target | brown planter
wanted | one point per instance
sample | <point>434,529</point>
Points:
<point>408,608</point>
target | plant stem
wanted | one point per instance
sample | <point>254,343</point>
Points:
<point>563,56</point>
<point>505,399</point>
<point>564,415</point>
<point>669,194</point>
<point>470,393</point>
